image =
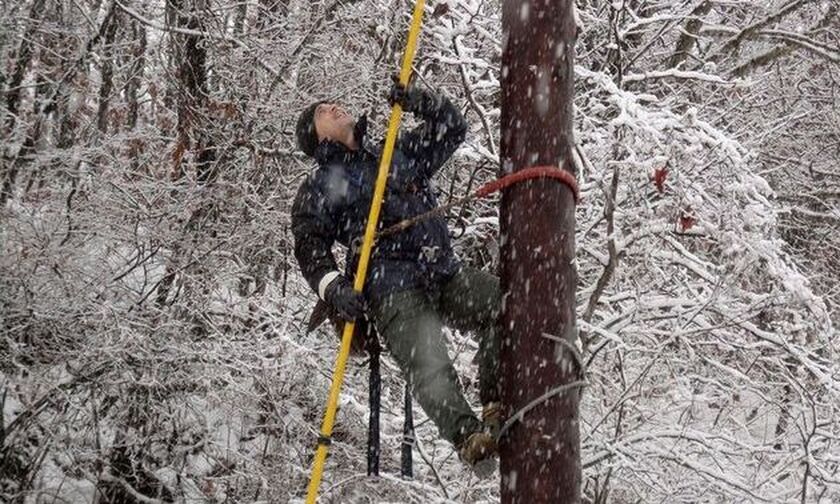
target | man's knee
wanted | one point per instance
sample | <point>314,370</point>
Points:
<point>474,300</point>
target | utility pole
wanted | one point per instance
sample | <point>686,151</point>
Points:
<point>540,451</point>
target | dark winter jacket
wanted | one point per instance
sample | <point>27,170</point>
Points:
<point>333,203</point>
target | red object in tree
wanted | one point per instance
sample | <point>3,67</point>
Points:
<point>659,176</point>
<point>440,10</point>
<point>687,219</point>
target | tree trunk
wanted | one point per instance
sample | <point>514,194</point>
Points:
<point>540,452</point>
<point>24,55</point>
<point>688,37</point>
<point>9,165</point>
<point>191,57</point>
<point>108,31</point>
<point>136,59</point>
<point>138,65</point>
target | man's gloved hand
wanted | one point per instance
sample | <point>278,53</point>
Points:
<point>411,98</point>
<point>349,304</point>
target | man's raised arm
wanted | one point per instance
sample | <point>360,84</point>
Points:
<point>443,129</point>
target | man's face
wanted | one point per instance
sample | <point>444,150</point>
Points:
<point>333,122</point>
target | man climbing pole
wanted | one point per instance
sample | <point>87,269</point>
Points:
<point>415,283</point>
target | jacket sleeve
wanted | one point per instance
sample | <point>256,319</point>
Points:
<point>314,230</point>
<point>434,141</point>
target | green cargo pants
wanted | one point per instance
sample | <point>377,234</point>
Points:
<point>410,323</point>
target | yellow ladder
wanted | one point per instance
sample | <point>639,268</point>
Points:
<point>364,259</point>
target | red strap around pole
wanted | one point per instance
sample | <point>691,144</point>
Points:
<point>532,172</point>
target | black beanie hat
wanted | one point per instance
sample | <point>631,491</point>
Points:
<point>307,138</point>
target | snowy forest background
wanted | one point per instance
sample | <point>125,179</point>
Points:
<point>153,317</point>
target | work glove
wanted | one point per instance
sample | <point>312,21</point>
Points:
<point>411,98</point>
<point>349,304</point>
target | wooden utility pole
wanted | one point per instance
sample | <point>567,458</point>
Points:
<point>540,452</point>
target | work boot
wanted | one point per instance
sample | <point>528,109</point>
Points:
<point>491,416</point>
<point>479,450</point>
